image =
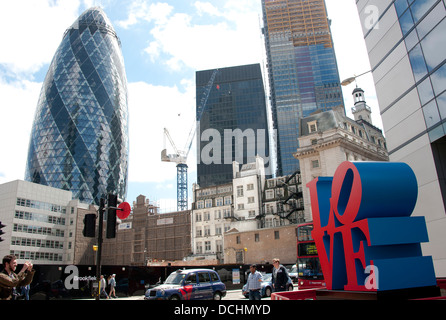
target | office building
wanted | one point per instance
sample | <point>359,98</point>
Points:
<point>232,122</point>
<point>406,44</point>
<point>303,73</point>
<point>79,140</point>
<point>40,222</point>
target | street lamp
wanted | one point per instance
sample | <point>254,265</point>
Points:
<point>347,81</point>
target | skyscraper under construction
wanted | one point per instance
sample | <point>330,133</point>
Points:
<point>303,73</point>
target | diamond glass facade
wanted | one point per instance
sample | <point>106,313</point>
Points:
<point>303,72</point>
<point>79,140</point>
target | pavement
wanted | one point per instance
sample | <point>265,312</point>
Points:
<point>230,295</point>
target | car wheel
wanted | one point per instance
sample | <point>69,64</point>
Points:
<point>217,296</point>
<point>267,292</point>
<point>290,287</point>
<point>174,297</point>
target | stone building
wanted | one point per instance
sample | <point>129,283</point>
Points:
<point>326,139</point>
<point>261,245</point>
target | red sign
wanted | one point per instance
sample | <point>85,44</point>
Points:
<point>123,210</point>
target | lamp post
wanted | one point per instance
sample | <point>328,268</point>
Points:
<point>347,81</point>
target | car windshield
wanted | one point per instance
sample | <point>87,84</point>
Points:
<point>174,278</point>
<point>267,277</point>
<point>293,269</point>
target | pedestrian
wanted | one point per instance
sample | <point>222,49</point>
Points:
<point>253,285</point>
<point>103,286</point>
<point>9,280</point>
<point>280,276</point>
<point>112,284</point>
<point>25,292</point>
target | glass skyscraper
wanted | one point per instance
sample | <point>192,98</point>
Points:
<point>303,72</point>
<point>406,44</point>
<point>79,139</point>
<point>232,120</point>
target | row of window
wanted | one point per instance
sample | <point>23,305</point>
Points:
<point>38,243</point>
<point>208,247</point>
<point>208,203</point>
<point>206,230</point>
<point>39,217</point>
<point>38,230</point>
<point>40,205</point>
<point>30,255</point>
<point>218,214</point>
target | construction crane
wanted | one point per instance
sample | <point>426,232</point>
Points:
<point>180,156</point>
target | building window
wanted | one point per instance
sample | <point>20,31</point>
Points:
<point>252,213</point>
<point>269,194</point>
<point>270,208</point>
<point>198,217</point>
<point>219,202</point>
<point>200,204</point>
<point>228,200</point>
<point>208,203</point>
<point>315,164</point>
<point>250,186</point>
<point>312,126</point>
<point>239,191</point>
<point>256,237</point>
<point>276,235</point>
<point>240,206</point>
<point>237,239</point>
<point>250,199</point>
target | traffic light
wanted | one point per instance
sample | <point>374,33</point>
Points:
<point>1,231</point>
<point>111,215</point>
<point>90,222</point>
<point>89,225</point>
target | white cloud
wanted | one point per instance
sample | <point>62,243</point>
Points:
<point>153,108</point>
<point>206,8</point>
<point>31,31</point>
<point>140,11</point>
<point>182,40</point>
<point>19,100</point>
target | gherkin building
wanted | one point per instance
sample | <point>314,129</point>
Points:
<point>79,139</point>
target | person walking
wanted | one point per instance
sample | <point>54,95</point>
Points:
<point>9,280</point>
<point>103,285</point>
<point>112,284</point>
<point>253,285</point>
<point>279,277</point>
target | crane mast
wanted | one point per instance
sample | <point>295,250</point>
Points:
<point>180,156</point>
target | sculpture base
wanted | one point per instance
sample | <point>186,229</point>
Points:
<point>400,294</point>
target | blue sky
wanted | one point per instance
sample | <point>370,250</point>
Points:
<point>163,42</point>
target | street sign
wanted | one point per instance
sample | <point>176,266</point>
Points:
<point>123,210</point>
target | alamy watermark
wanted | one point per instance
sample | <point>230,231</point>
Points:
<point>371,281</point>
<point>72,280</point>
<point>371,18</point>
<point>255,141</point>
